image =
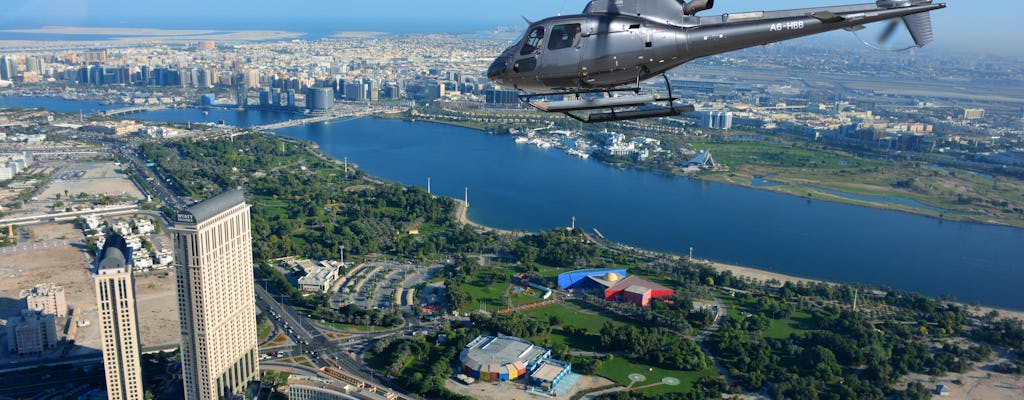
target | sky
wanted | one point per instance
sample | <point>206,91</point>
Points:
<point>986,25</point>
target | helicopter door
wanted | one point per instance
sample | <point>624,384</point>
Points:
<point>613,50</point>
<point>560,66</point>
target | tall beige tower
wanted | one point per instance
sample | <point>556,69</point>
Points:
<point>216,302</point>
<point>119,326</point>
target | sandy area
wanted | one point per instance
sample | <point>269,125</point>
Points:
<point>99,178</point>
<point>980,383</point>
<point>65,266</point>
<point>516,390</point>
<point>157,308</point>
<point>68,266</point>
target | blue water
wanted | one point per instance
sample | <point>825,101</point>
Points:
<point>56,104</point>
<point>764,181</point>
<point>524,187</point>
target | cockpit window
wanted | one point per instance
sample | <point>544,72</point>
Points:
<point>564,36</point>
<point>533,40</point>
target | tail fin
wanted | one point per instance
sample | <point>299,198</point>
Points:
<point>920,27</point>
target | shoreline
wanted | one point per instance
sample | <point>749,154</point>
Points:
<point>764,276</point>
<point>755,274</point>
<point>952,215</point>
<point>461,215</point>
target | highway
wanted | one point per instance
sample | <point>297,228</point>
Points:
<point>310,341</point>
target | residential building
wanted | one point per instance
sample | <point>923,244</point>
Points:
<point>213,261</point>
<point>119,325</point>
<point>31,333</point>
<point>47,299</point>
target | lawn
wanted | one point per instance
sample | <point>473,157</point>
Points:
<point>487,287</point>
<point>519,296</point>
<point>619,368</point>
<point>795,323</point>
<point>264,329</point>
<point>573,315</point>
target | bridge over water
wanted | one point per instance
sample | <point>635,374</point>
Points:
<point>313,120</point>
<point>132,110</point>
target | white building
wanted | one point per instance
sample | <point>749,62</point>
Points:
<point>144,226</point>
<point>318,279</point>
<point>122,228</point>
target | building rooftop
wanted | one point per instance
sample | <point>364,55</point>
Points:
<point>209,208</point>
<point>548,371</point>
<point>115,254</point>
<point>636,289</point>
<point>627,283</point>
<point>499,351</point>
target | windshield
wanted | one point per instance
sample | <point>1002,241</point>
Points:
<point>533,40</point>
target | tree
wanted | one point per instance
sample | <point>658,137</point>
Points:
<point>820,363</point>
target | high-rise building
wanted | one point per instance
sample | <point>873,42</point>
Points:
<point>119,324</point>
<point>213,261</point>
<point>973,113</point>
<point>6,68</point>
<point>717,120</point>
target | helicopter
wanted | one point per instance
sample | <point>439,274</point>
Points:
<point>597,60</point>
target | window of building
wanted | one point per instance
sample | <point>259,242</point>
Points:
<point>564,36</point>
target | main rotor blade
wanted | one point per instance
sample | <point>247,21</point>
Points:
<point>889,30</point>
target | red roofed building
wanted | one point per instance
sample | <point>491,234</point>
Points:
<point>636,290</point>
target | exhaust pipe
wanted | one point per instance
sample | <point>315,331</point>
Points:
<point>695,6</point>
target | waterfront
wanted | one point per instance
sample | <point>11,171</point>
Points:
<point>526,188</point>
<point>523,187</point>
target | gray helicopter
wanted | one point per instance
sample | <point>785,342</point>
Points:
<point>597,60</point>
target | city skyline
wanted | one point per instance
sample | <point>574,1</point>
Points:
<point>962,26</point>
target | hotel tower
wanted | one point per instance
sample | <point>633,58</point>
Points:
<point>216,302</point>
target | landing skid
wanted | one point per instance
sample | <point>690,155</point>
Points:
<point>570,107</point>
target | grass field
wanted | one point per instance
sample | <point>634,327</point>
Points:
<point>803,166</point>
<point>782,328</point>
<point>264,329</point>
<point>488,287</point>
<point>573,315</point>
<point>619,368</point>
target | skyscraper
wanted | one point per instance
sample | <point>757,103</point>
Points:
<point>115,295</point>
<point>213,254</point>
<point>6,68</point>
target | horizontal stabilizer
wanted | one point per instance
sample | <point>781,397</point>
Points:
<point>590,104</point>
<point>827,16</point>
<point>920,27</point>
